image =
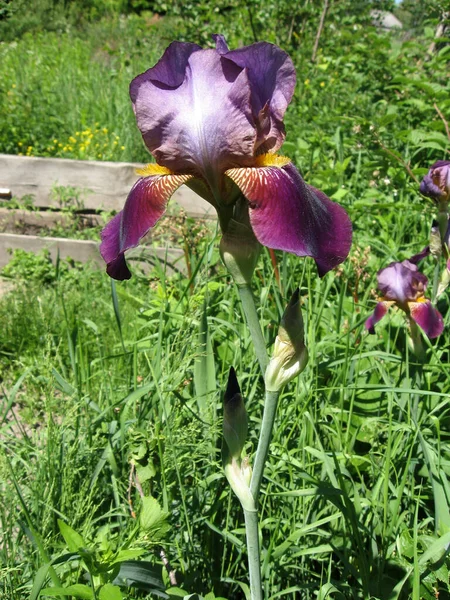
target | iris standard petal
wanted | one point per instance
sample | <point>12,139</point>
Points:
<point>205,123</point>
<point>380,310</point>
<point>427,317</point>
<point>401,281</point>
<point>287,214</point>
<point>169,71</point>
<point>145,205</point>
<point>272,78</point>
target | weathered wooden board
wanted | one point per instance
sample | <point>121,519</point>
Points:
<point>105,185</point>
<point>13,219</point>
<point>85,250</point>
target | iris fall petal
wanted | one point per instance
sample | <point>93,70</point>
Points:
<point>427,317</point>
<point>145,205</point>
<point>380,310</point>
<point>287,214</point>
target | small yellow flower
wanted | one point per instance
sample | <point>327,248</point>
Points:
<point>59,145</point>
<point>322,84</point>
<point>55,141</point>
<point>72,140</point>
<point>122,147</point>
<point>306,82</point>
<point>105,130</point>
<point>13,85</point>
<point>20,144</point>
<point>77,133</point>
<point>115,142</point>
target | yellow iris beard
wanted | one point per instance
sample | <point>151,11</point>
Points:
<point>271,160</point>
<point>153,169</point>
<point>263,160</point>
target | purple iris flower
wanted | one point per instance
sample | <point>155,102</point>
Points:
<point>213,119</point>
<point>436,183</point>
<point>402,284</point>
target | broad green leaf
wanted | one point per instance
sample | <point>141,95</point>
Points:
<point>110,592</point>
<point>176,592</point>
<point>153,519</point>
<point>141,573</point>
<point>78,591</point>
<point>130,554</point>
<point>39,581</point>
<point>73,539</point>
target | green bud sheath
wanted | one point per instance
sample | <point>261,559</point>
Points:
<point>234,417</point>
<point>290,354</point>
<point>238,472</point>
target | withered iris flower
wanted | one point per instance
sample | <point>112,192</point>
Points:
<point>403,285</point>
<point>213,119</point>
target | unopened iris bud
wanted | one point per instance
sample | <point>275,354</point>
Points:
<point>290,354</point>
<point>234,417</point>
<point>444,281</point>
<point>239,250</point>
<point>435,241</point>
<point>237,471</point>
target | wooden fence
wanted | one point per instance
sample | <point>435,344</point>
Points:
<point>100,186</point>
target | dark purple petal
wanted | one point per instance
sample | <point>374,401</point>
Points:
<point>380,310</point>
<point>169,71</point>
<point>200,119</point>
<point>420,256</point>
<point>436,184</point>
<point>221,44</point>
<point>271,74</point>
<point>287,214</point>
<point>427,317</point>
<point>145,205</point>
<point>401,282</point>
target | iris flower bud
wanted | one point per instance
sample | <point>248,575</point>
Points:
<point>237,471</point>
<point>239,248</point>
<point>290,354</point>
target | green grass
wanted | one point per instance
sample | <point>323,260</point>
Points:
<point>106,385</point>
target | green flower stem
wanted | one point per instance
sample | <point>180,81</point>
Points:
<point>254,561</point>
<point>251,315</point>
<point>265,435</point>
<point>416,341</point>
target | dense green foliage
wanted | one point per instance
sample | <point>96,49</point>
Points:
<point>103,386</point>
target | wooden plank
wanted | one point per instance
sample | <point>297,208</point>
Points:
<point>86,251</point>
<point>37,219</point>
<point>105,185</point>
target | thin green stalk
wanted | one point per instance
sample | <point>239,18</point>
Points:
<point>436,277</point>
<point>251,315</point>
<point>416,341</point>
<point>265,435</point>
<point>254,561</point>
